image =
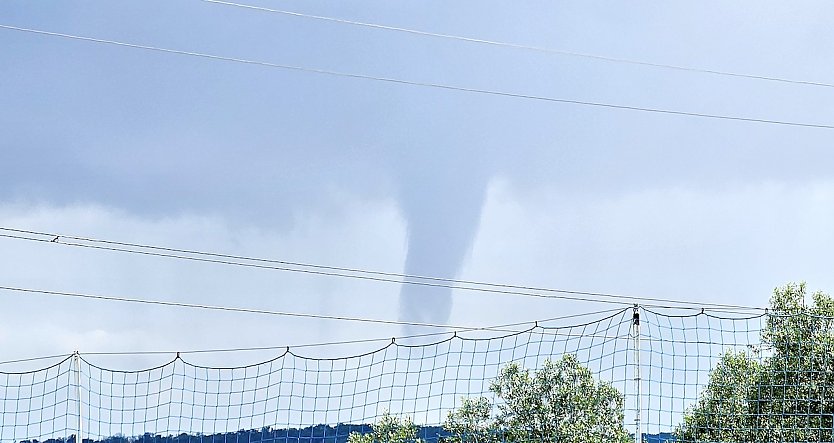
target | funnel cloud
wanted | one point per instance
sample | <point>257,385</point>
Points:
<point>442,210</point>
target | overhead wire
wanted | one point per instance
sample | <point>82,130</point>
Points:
<point>453,328</point>
<point>536,327</point>
<point>399,81</point>
<point>25,360</point>
<point>262,311</point>
<point>360,274</point>
<point>234,309</point>
<point>518,46</point>
<point>492,328</point>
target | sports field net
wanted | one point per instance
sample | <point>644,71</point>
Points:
<point>705,376</point>
<point>284,398</point>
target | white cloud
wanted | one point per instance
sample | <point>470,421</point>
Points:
<point>731,245</point>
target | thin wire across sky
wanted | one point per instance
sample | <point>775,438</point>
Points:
<point>502,44</point>
<point>356,273</point>
<point>406,82</point>
<point>502,328</point>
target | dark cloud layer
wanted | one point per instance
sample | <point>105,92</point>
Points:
<point>158,134</point>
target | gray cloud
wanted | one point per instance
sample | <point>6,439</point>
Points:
<point>159,136</point>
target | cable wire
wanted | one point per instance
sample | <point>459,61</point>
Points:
<point>359,274</point>
<point>520,46</point>
<point>493,328</point>
<point>397,340</point>
<point>419,83</point>
<point>24,360</point>
<point>239,309</point>
<point>497,328</point>
<point>534,324</point>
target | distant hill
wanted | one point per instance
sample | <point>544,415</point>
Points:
<point>311,434</point>
<point>662,437</point>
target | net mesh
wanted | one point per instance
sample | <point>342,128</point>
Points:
<point>293,397</point>
<point>39,404</point>
<point>704,377</point>
<point>678,355</point>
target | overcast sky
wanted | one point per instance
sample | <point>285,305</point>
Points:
<point>131,145</point>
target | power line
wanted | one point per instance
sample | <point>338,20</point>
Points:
<point>420,84</point>
<point>270,312</point>
<point>241,309</point>
<point>494,328</point>
<point>321,273</point>
<point>520,46</point>
<point>360,274</point>
<point>536,324</point>
<point>24,360</point>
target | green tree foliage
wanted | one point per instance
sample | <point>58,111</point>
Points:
<point>471,422</point>
<point>561,402</point>
<point>722,413</point>
<point>389,429</point>
<point>783,392</point>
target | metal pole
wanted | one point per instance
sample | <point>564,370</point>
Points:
<point>80,435</point>
<point>638,425</point>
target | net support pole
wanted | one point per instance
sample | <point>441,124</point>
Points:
<point>80,431</point>
<point>638,424</point>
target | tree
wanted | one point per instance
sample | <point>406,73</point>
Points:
<point>471,422</point>
<point>787,395</point>
<point>722,412</point>
<point>389,429</point>
<point>561,402</point>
